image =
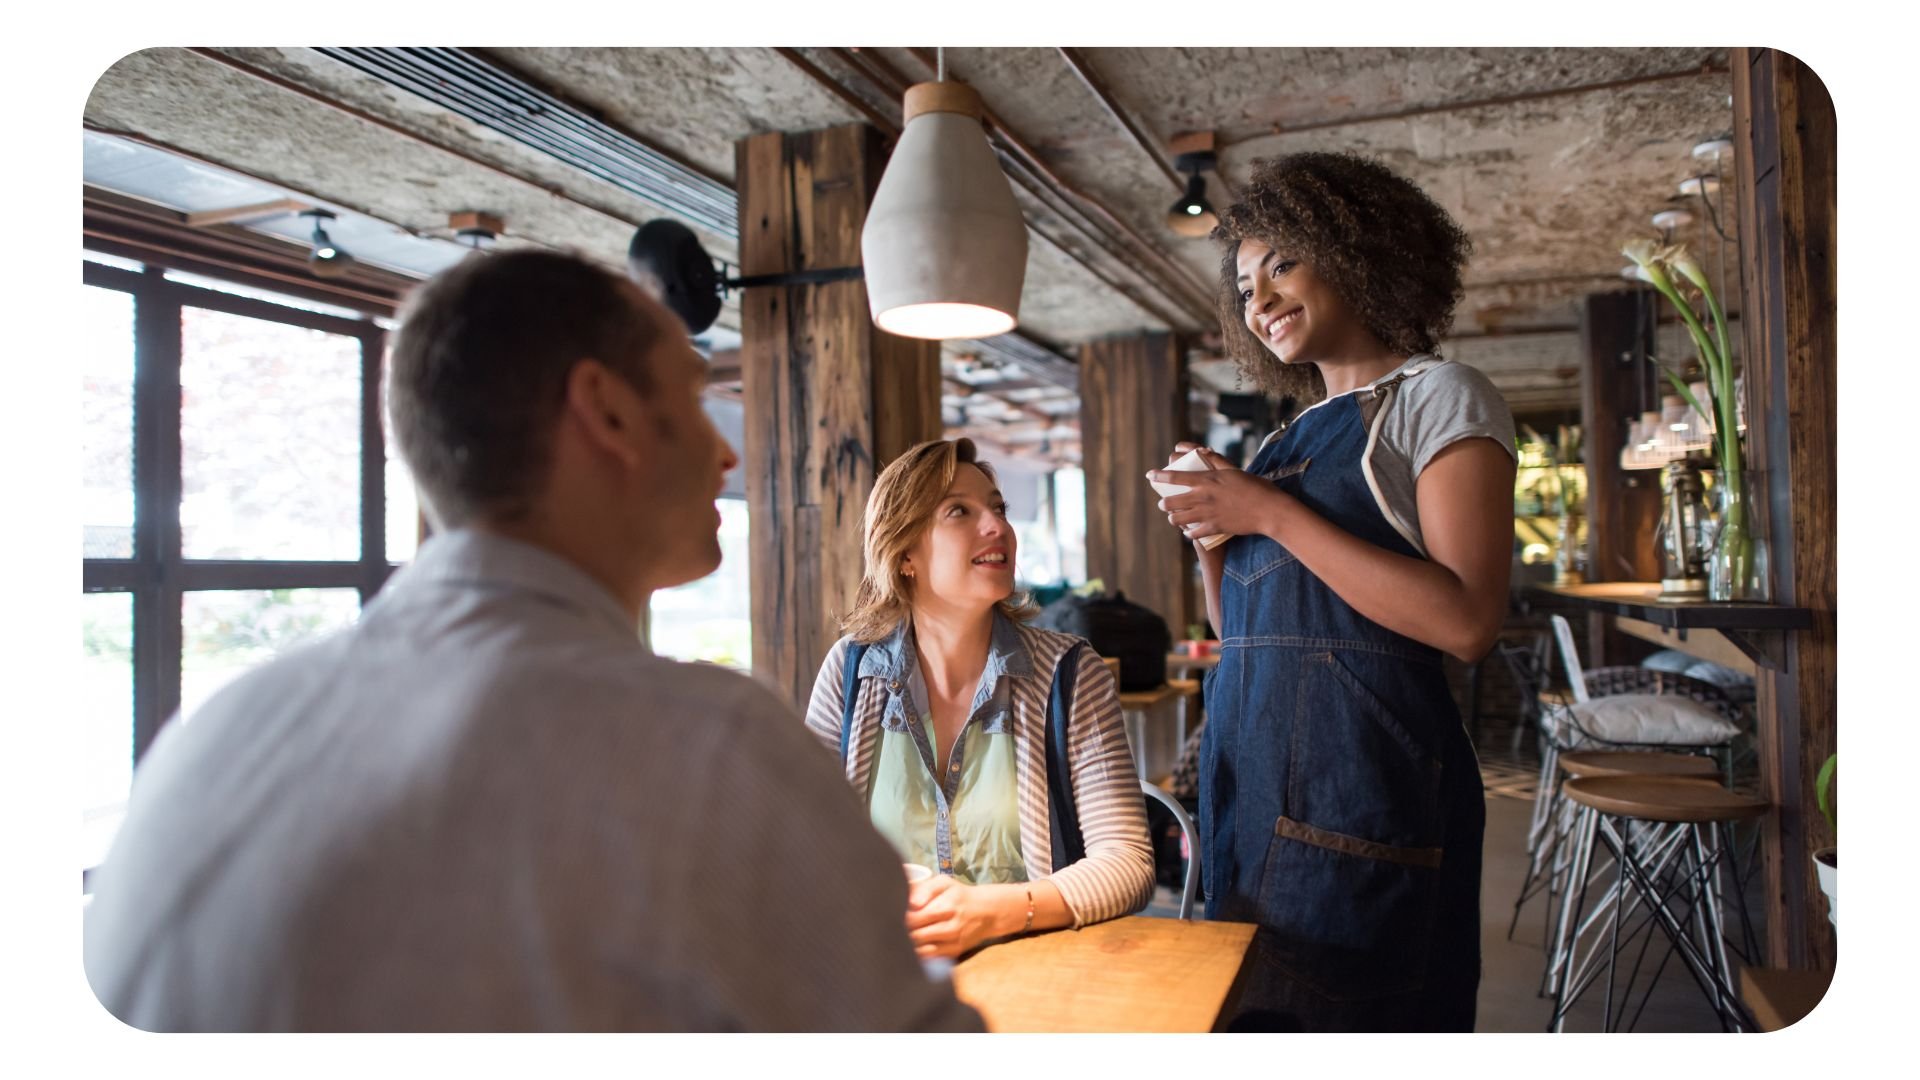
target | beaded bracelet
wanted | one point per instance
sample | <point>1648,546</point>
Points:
<point>1029,927</point>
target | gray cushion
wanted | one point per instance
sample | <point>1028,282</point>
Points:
<point>1659,719</point>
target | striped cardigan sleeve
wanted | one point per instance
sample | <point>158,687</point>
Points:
<point>1116,877</point>
<point>824,707</point>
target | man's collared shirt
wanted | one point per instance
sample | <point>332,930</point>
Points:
<point>487,806</point>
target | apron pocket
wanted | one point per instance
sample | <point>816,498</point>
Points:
<point>1348,918</point>
<point>1354,768</point>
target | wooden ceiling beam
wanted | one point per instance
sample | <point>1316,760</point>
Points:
<point>1091,79</point>
<point>1248,134</point>
<point>839,90</point>
<point>254,212</point>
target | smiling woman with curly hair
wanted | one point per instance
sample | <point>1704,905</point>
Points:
<point>1383,244</point>
<point>1340,800</point>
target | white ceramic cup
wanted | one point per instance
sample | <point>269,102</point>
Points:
<point>1191,461</point>
<point>916,872</point>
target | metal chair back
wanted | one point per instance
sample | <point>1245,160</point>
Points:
<point>1192,835</point>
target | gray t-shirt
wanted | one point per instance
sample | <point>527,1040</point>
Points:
<point>1435,403</point>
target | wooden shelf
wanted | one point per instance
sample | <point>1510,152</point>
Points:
<point>1755,629</point>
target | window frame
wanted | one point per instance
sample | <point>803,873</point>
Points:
<point>157,575</point>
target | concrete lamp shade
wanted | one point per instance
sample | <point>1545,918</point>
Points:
<point>944,245</point>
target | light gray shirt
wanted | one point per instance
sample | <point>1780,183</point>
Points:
<point>487,807</point>
<point>1433,403</point>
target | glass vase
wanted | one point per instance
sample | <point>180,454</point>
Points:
<point>1731,570</point>
<point>1569,554</point>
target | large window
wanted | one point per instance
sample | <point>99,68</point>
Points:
<point>709,619</point>
<point>238,499</point>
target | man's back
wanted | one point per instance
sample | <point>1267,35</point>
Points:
<point>487,808</point>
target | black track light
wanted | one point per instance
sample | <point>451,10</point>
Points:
<point>327,259</point>
<point>1192,214</point>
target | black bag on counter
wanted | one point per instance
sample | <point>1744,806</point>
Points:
<point>1134,635</point>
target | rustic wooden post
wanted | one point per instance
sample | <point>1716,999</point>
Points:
<point>1623,507</point>
<point>829,399</point>
<point>1784,159</point>
<point>1133,408</point>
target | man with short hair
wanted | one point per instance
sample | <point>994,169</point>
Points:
<point>487,806</point>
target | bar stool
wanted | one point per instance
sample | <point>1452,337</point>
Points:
<point>1632,709</point>
<point>1675,877</point>
<point>1570,858</point>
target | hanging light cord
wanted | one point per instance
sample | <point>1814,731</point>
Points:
<point>1720,186</point>
<point>940,64</point>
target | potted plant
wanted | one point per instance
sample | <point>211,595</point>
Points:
<point>1826,861</point>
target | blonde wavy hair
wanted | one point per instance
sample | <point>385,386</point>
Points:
<point>899,512</point>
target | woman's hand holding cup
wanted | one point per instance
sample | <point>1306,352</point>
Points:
<point>1208,544</point>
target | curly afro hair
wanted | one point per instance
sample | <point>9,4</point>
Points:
<point>1390,252</point>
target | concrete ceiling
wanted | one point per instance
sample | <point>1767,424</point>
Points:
<point>1549,158</point>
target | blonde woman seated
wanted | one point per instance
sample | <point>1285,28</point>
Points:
<point>991,751</point>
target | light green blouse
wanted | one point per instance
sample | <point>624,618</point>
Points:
<point>956,809</point>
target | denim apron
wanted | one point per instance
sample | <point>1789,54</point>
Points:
<point>1341,806</point>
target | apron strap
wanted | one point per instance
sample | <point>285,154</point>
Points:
<point>1383,394</point>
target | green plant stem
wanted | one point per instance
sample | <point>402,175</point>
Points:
<point>1719,381</point>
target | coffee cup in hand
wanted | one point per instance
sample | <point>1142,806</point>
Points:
<point>1192,461</point>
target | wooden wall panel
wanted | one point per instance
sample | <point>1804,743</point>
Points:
<point>1623,506</point>
<point>1785,159</point>
<point>1133,394</point>
<point>828,398</point>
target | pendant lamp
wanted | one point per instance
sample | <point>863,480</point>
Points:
<point>944,245</point>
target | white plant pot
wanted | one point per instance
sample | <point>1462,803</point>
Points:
<point>1827,862</point>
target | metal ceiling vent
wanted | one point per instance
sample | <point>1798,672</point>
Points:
<point>464,84</point>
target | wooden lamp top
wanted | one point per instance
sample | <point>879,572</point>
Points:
<point>933,97</point>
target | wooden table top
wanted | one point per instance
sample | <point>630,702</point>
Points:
<point>1172,688</point>
<point>1131,974</point>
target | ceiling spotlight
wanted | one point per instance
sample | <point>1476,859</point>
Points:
<point>1192,214</point>
<point>327,260</point>
<point>476,228</point>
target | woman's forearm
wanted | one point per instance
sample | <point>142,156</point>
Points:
<point>1050,911</point>
<point>1414,597</point>
<point>1212,565</point>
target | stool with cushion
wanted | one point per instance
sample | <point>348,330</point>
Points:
<point>1613,708</point>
